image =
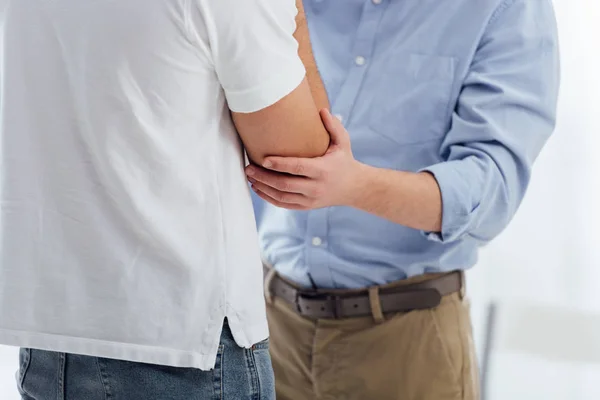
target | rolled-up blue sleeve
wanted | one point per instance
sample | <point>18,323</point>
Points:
<point>505,113</point>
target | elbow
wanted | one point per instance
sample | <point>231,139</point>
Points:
<point>315,147</point>
<point>318,147</point>
<point>313,143</point>
<point>256,158</point>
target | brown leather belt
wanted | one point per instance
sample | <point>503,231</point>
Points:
<point>322,304</point>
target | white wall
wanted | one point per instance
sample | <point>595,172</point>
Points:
<point>551,251</point>
<point>8,367</point>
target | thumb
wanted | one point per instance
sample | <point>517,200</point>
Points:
<point>337,132</point>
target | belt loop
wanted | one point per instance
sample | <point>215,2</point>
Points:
<point>376,305</point>
<point>267,288</point>
<point>463,285</point>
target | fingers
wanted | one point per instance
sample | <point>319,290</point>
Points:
<point>278,181</point>
<point>276,203</point>
<point>308,167</point>
<point>336,130</point>
<point>279,196</point>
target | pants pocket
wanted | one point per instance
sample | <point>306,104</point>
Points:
<point>264,376</point>
<point>471,378</point>
<point>41,375</point>
<point>24,361</point>
<point>454,333</point>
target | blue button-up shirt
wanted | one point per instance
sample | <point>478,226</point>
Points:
<point>463,89</point>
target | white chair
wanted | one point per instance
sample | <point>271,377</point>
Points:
<point>548,332</point>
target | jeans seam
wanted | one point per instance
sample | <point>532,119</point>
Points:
<point>257,376</point>
<point>218,373</point>
<point>62,357</point>
<point>103,376</point>
<point>253,374</point>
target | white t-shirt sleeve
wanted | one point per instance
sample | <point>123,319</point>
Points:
<point>252,48</point>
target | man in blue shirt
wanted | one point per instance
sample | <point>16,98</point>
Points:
<point>446,107</point>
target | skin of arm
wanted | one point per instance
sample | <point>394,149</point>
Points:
<point>410,199</point>
<point>306,55</point>
<point>292,126</point>
<point>337,179</point>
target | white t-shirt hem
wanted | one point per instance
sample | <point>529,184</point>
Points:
<point>249,334</point>
<point>106,349</point>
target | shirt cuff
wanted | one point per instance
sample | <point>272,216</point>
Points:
<point>460,201</point>
<point>268,92</point>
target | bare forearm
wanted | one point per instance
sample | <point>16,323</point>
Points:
<point>410,199</point>
<point>306,55</point>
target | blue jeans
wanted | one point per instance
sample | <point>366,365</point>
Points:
<point>239,374</point>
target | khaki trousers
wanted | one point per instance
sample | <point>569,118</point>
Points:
<point>416,355</point>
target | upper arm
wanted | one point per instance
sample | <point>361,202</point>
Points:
<point>290,127</point>
<point>256,60</point>
<point>305,51</point>
<point>509,95</point>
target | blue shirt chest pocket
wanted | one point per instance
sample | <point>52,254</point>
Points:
<point>411,102</point>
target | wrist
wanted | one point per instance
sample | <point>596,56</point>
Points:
<point>360,181</point>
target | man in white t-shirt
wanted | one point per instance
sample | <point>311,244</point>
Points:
<point>129,264</point>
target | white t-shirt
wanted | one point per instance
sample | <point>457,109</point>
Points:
<point>126,225</point>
